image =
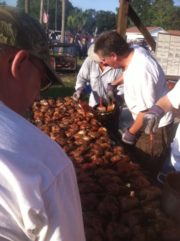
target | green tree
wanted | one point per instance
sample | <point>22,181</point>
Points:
<point>105,20</point>
<point>34,7</point>
<point>90,24</point>
<point>162,12</point>
<point>2,3</point>
<point>91,19</point>
<point>142,7</point>
<point>175,21</point>
<point>35,10</point>
<point>75,20</point>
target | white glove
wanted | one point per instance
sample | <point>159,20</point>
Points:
<point>77,94</point>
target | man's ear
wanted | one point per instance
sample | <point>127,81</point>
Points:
<point>20,63</point>
<point>114,55</point>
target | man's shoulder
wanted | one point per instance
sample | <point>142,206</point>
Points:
<point>29,143</point>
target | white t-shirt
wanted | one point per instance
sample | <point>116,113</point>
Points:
<point>144,84</point>
<point>174,97</point>
<point>39,197</point>
<point>91,72</point>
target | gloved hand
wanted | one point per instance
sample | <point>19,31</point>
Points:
<point>110,92</point>
<point>128,137</point>
<point>77,94</point>
<point>152,118</point>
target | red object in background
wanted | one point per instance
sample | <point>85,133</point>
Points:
<point>53,62</point>
<point>171,84</point>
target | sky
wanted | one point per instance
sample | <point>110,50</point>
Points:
<point>106,5</point>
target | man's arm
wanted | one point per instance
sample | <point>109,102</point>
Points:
<point>148,118</point>
<point>83,75</point>
<point>118,80</point>
<point>129,136</point>
<point>138,123</point>
<point>82,79</point>
<point>164,103</point>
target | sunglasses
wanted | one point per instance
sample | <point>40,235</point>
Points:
<point>46,82</point>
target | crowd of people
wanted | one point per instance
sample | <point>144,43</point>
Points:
<point>39,196</point>
<point>81,41</point>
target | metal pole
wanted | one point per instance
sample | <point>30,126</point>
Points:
<point>47,10</point>
<point>26,6</point>
<point>63,22</point>
<point>41,11</point>
<point>55,20</point>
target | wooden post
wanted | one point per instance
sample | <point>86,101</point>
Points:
<point>134,17</point>
<point>122,17</point>
<point>126,10</point>
<point>26,6</point>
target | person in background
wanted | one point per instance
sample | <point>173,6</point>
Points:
<point>39,197</point>
<point>144,84</point>
<point>153,117</point>
<point>98,77</point>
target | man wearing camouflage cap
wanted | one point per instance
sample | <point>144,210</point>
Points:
<point>39,197</point>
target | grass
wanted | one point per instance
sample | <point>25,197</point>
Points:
<point>69,80</point>
<point>57,90</point>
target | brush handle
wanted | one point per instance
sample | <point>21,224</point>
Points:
<point>100,102</point>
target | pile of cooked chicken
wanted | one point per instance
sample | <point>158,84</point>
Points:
<point>119,202</point>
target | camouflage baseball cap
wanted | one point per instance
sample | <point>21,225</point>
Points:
<point>19,30</point>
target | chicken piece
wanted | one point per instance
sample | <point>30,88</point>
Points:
<point>116,158</point>
<point>128,203</point>
<point>149,194</point>
<point>89,233</point>
<point>151,234</point>
<point>105,180</point>
<point>141,182</point>
<point>149,208</point>
<point>102,171</point>
<point>118,150</point>
<point>113,189</point>
<point>89,187</point>
<point>89,201</point>
<point>117,232</point>
<point>172,234</point>
<point>110,108</point>
<point>108,207</point>
<point>101,109</point>
<point>132,218</point>
<point>84,177</point>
